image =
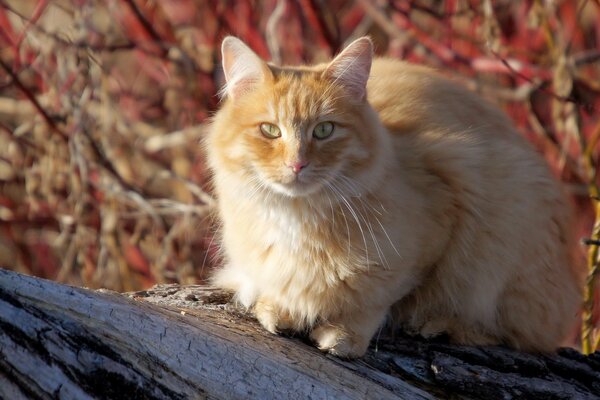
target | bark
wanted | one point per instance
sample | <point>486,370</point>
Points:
<point>180,342</point>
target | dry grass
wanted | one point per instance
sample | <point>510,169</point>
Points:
<point>102,103</point>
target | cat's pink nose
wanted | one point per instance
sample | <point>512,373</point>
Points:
<point>297,166</point>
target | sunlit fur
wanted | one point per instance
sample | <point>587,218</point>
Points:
<point>424,201</point>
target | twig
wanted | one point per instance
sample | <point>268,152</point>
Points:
<point>445,53</point>
<point>586,57</point>
<point>591,242</point>
<point>272,35</point>
<point>415,5</point>
<point>106,163</point>
<point>332,38</point>
<point>380,19</point>
<point>593,261</point>
<point>192,187</point>
<point>33,100</point>
<point>568,99</point>
<point>147,26</point>
<point>37,13</point>
<point>22,140</point>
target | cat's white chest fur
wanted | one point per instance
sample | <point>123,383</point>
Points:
<point>286,252</point>
<point>283,228</point>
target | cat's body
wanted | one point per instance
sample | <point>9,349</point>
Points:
<point>426,201</point>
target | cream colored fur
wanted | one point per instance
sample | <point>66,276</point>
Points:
<point>424,201</point>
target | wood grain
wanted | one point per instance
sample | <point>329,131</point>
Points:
<point>192,342</point>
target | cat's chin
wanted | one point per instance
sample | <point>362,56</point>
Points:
<point>295,189</point>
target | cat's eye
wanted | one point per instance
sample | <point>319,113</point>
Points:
<point>270,131</point>
<point>323,130</point>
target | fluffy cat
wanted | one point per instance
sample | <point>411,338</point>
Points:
<point>359,187</point>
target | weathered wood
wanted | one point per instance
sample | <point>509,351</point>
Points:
<point>62,342</point>
<point>191,342</point>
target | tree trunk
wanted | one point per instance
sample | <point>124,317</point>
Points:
<point>188,342</point>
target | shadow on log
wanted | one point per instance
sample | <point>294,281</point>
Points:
<point>188,342</point>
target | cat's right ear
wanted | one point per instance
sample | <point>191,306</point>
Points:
<point>352,66</point>
<point>243,69</point>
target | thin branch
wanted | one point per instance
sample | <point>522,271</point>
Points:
<point>20,139</point>
<point>33,100</point>
<point>272,27</point>
<point>586,57</point>
<point>568,99</point>
<point>104,161</point>
<point>146,25</point>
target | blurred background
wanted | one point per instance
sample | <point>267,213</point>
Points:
<point>102,105</point>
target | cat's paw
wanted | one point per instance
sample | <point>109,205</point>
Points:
<point>433,328</point>
<point>271,318</point>
<point>338,342</point>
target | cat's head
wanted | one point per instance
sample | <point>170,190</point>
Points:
<point>295,131</point>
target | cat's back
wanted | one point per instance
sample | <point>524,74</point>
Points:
<point>412,98</point>
<point>441,127</point>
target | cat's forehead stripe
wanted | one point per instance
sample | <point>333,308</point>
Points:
<point>299,98</point>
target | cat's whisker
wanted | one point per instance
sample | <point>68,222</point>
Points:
<point>378,248</point>
<point>355,216</point>
<point>354,183</point>
<point>351,187</point>
<point>258,187</point>
<point>328,186</point>
<point>207,252</point>
<point>215,234</point>
<point>324,182</point>
<point>388,237</point>
<point>365,218</point>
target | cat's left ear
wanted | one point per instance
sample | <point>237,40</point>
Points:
<point>352,66</point>
<point>243,68</point>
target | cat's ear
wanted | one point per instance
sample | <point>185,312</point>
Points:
<point>352,66</point>
<point>242,67</point>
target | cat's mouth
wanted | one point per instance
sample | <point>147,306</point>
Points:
<point>296,185</point>
<point>290,185</point>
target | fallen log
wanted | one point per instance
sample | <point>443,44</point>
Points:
<point>188,342</point>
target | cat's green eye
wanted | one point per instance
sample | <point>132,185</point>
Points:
<point>323,130</point>
<point>270,131</point>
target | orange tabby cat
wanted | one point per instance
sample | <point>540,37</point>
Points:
<point>348,190</point>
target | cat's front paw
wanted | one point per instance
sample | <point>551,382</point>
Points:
<point>271,317</point>
<point>339,342</point>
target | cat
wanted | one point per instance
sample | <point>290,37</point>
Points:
<point>362,188</point>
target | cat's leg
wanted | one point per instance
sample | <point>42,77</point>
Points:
<point>236,279</point>
<point>272,317</point>
<point>459,331</point>
<point>349,336</point>
<point>533,321</point>
<point>525,318</point>
<point>349,333</point>
<point>467,317</point>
